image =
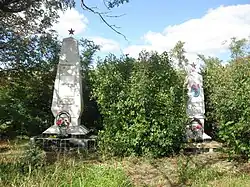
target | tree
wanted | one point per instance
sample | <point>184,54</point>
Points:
<point>18,30</point>
<point>28,17</point>
<point>87,53</point>
<point>25,95</point>
<point>14,6</point>
<point>46,12</point>
<point>91,115</point>
<point>239,48</point>
<point>178,53</point>
<point>142,103</point>
<point>234,109</point>
<point>213,74</point>
<point>20,19</point>
<point>226,89</point>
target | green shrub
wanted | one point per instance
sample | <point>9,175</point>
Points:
<point>237,137</point>
<point>193,172</point>
<point>227,102</point>
<point>142,104</point>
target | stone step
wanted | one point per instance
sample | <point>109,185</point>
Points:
<point>210,147</point>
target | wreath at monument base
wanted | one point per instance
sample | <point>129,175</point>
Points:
<point>195,130</point>
<point>63,120</point>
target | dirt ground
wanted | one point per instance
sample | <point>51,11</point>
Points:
<point>166,172</point>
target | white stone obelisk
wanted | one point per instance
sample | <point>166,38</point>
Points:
<point>67,95</point>
<point>196,104</point>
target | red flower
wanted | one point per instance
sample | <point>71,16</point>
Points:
<point>198,127</point>
<point>59,122</point>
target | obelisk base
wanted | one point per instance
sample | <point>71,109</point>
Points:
<point>72,130</point>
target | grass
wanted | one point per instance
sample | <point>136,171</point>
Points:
<point>243,180</point>
<point>24,166</point>
<point>67,174</point>
<point>30,167</point>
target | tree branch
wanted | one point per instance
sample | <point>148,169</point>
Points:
<point>111,16</point>
<point>113,27</point>
<point>115,16</point>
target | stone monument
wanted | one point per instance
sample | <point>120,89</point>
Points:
<point>67,103</point>
<point>195,105</point>
<point>67,95</point>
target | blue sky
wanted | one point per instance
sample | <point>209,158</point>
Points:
<point>159,24</point>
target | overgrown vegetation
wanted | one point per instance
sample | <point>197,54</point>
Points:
<point>142,104</point>
<point>227,99</point>
<point>34,169</point>
<point>137,107</point>
<point>76,175</point>
<point>26,86</point>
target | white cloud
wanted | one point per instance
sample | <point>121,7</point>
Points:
<point>107,45</point>
<point>203,35</point>
<point>71,18</point>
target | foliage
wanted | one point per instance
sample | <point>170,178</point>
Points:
<point>236,137</point>
<point>115,3</point>
<point>142,104</point>
<point>178,54</point>
<point>214,79</point>
<point>64,173</point>
<point>15,6</point>
<point>239,48</point>
<point>26,87</point>
<point>90,116</point>
<point>87,53</point>
<point>227,100</point>
<point>26,17</point>
<point>70,170</point>
<point>235,131</point>
<point>32,158</point>
<point>193,172</point>
<point>19,31</point>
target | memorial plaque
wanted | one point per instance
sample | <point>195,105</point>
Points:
<point>195,109</point>
<point>66,101</point>
<point>66,86</point>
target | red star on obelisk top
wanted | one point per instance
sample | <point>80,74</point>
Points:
<point>71,31</point>
<point>193,65</point>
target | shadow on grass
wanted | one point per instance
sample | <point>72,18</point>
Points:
<point>4,146</point>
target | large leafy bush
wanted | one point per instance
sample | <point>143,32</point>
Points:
<point>142,104</point>
<point>235,129</point>
<point>227,91</point>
